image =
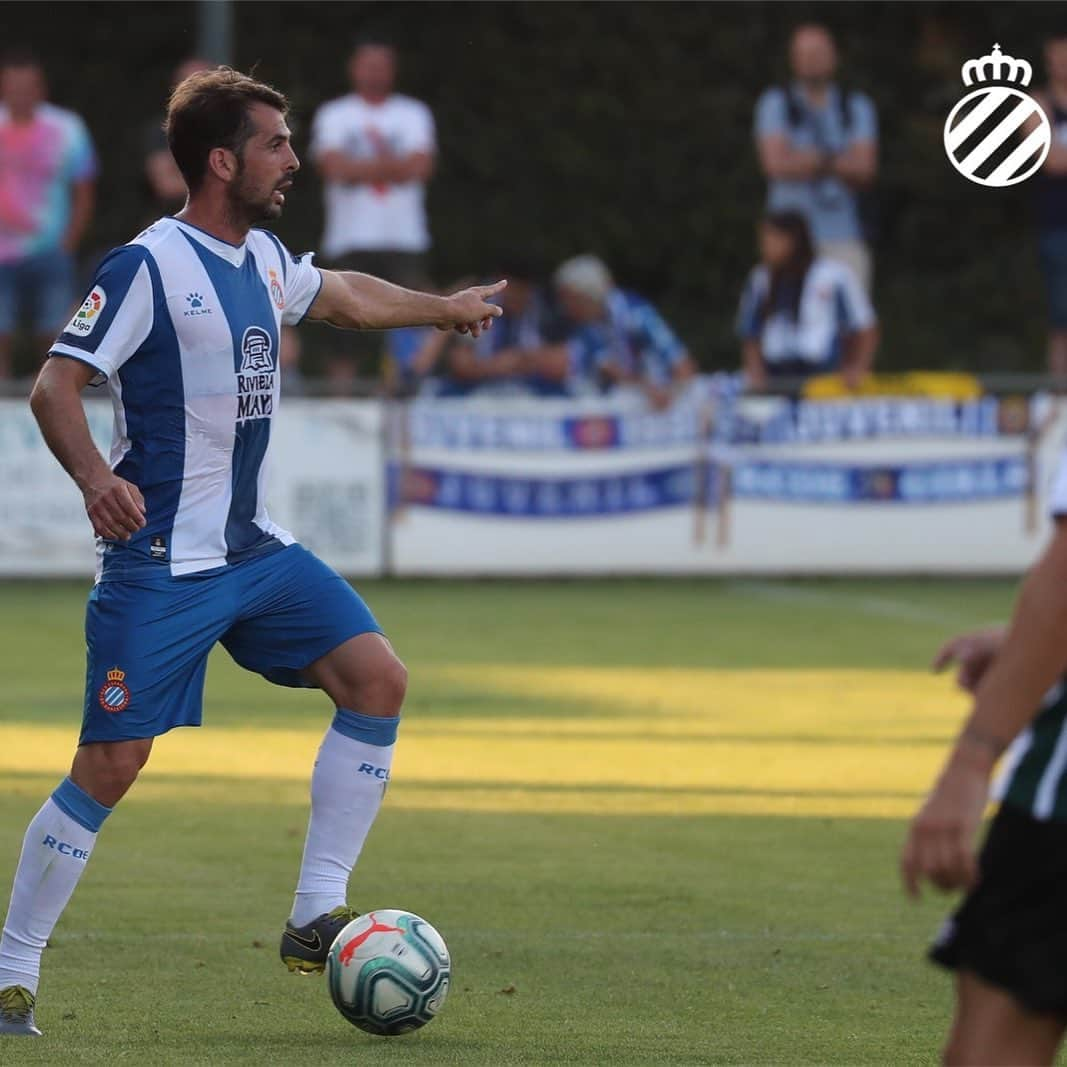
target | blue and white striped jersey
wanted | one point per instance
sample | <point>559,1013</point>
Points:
<point>832,305</point>
<point>632,335</point>
<point>184,329</point>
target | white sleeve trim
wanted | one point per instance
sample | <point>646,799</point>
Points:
<point>62,349</point>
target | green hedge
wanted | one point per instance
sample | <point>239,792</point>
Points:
<point>623,129</point>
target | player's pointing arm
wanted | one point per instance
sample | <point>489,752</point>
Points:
<point>361,302</point>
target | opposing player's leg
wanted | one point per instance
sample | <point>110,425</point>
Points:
<point>1007,945</point>
<point>305,625</point>
<point>147,651</point>
<point>991,1028</point>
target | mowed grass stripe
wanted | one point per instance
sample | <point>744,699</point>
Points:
<point>744,742</point>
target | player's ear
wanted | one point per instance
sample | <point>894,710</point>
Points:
<point>223,164</point>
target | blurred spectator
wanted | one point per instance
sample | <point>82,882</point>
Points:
<point>47,174</point>
<point>1051,189</point>
<point>166,186</point>
<point>801,315</point>
<point>510,353</point>
<point>412,355</point>
<point>619,338</point>
<point>375,151</point>
<point>818,147</point>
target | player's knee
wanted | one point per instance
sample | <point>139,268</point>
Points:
<point>387,688</point>
<point>106,771</point>
<point>381,691</point>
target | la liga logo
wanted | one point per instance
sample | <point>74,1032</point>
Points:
<point>997,135</point>
<point>87,316</point>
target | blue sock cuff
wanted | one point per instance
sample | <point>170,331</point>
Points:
<point>75,802</point>
<point>370,729</point>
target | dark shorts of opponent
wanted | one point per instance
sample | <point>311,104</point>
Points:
<point>1011,930</point>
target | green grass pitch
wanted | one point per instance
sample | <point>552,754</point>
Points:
<point>657,823</point>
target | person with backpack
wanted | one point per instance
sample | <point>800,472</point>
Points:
<point>818,148</point>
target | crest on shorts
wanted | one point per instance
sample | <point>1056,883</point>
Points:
<point>277,294</point>
<point>113,695</point>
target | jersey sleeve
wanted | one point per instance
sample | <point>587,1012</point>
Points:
<point>328,131</point>
<point>771,114</point>
<point>421,134</point>
<point>116,316</point>
<point>82,162</point>
<point>302,285</point>
<point>863,125</point>
<point>856,308</point>
<point>663,345</point>
<point>749,327</point>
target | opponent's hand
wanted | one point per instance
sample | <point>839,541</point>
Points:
<point>469,310</point>
<point>115,507</point>
<point>972,653</point>
<point>940,843</point>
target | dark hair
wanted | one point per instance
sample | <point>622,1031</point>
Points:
<point>210,110</point>
<point>787,281</point>
<point>19,56</point>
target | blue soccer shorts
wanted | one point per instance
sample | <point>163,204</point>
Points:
<point>148,639</point>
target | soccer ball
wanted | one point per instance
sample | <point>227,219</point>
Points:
<point>388,972</point>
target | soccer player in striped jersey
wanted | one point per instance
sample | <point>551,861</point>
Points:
<point>182,325</point>
<point>1007,942</point>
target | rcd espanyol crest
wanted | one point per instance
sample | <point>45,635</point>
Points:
<point>997,135</point>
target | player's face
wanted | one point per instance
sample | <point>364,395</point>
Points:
<point>776,246</point>
<point>267,166</point>
<point>813,55</point>
<point>373,71</point>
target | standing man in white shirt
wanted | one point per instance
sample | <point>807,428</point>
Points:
<point>375,151</point>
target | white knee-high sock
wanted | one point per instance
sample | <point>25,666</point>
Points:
<point>347,786</point>
<point>57,845</point>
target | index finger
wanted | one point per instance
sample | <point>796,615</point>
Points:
<point>908,873</point>
<point>485,291</point>
<point>945,655</point>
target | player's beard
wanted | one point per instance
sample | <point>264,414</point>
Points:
<point>247,204</point>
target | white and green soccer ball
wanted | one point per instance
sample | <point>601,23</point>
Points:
<point>388,972</point>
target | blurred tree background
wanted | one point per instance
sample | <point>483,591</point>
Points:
<point>619,128</point>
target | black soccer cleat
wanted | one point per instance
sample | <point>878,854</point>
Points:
<point>16,1012</point>
<point>304,948</point>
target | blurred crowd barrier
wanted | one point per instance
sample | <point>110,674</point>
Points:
<point>720,483</point>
